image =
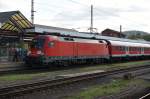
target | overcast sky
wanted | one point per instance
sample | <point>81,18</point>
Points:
<point>131,14</point>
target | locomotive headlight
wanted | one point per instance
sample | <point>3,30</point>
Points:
<point>29,52</point>
<point>40,53</point>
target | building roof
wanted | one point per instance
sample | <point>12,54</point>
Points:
<point>14,21</point>
<point>56,28</point>
<point>4,16</point>
<point>43,28</point>
<point>112,31</point>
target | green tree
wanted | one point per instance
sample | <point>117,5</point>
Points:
<point>132,37</point>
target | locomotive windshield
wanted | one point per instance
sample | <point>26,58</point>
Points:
<point>38,43</point>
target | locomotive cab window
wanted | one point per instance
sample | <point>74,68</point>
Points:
<point>51,44</point>
<point>38,43</point>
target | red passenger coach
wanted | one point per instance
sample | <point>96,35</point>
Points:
<point>132,50</point>
<point>47,49</point>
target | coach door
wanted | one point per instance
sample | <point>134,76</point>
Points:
<point>142,51</point>
<point>75,49</point>
<point>127,50</point>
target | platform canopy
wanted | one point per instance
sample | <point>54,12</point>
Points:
<point>14,21</point>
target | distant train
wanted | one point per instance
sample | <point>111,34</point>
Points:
<point>49,49</point>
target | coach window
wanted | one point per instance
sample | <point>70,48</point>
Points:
<point>51,44</point>
<point>117,48</point>
<point>113,47</point>
<point>121,48</point>
<point>133,48</point>
<point>145,49</point>
<point>139,49</point>
<point>127,49</point>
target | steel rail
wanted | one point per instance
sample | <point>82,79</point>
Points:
<point>147,96</point>
<point>14,90</point>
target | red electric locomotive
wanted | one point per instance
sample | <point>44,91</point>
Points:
<point>55,49</point>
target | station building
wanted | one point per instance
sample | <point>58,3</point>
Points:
<point>112,33</point>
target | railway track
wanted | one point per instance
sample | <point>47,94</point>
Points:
<point>19,89</point>
<point>147,96</point>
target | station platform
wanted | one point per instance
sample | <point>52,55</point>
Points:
<point>6,64</point>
